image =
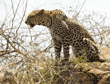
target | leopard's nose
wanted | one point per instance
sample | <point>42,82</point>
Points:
<point>26,22</point>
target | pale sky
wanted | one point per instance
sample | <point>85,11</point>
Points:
<point>100,6</point>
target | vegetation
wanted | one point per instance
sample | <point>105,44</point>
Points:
<point>27,55</point>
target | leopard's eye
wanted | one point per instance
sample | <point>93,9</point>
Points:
<point>31,16</point>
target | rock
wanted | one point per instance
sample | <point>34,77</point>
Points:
<point>83,73</point>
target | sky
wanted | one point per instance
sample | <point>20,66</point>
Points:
<point>100,6</point>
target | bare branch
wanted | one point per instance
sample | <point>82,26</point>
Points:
<point>22,17</point>
<point>19,51</point>
<point>6,52</point>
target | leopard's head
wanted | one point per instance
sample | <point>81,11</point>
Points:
<point>39,17</point>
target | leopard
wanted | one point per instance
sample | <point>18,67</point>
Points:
<point>65,32</point>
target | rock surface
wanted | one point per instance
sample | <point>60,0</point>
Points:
<point>83,73</point>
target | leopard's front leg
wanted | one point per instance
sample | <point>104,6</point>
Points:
<point>66,51</point>
<point>57,47</point>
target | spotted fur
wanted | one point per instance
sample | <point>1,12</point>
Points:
<point>65,32</point>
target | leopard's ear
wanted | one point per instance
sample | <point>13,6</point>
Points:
<point>41,12</point>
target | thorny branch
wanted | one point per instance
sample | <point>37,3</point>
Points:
<point>19,51</point>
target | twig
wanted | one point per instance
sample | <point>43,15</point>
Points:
<point>6,52</point>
